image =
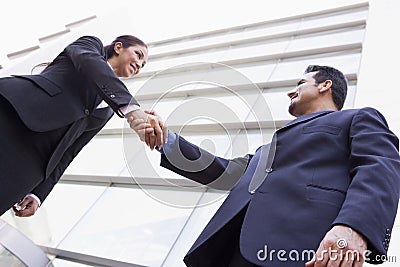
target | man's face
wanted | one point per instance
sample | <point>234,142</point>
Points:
<point>304,98</point>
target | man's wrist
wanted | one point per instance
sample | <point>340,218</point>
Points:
<point>35,197</point>
<point>168,145</point>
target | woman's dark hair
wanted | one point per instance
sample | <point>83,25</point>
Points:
<point>126,40</point>
<point>339,82</point>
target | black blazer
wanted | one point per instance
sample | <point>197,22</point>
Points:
<point>65,95</point>
<point>329,168</point>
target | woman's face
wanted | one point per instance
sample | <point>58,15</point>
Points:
<point>128,61</point>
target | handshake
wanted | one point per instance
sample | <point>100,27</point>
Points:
<point>149,126</point>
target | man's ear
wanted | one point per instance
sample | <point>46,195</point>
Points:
<point>325,86</point>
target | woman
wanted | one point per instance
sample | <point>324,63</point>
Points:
<point>46,119</point>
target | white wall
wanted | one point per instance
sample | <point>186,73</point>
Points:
<point>377,85</point>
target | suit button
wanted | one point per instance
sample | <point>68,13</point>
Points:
<point>252,192</point>
<point>87,112</point>
<point>268,170</point>
<point>112,96</point>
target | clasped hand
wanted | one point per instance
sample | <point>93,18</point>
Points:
<point>341,246</point>
<point>149,127</point>
<point>26,207</point>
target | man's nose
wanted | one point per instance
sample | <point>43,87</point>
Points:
<point>291,93</point>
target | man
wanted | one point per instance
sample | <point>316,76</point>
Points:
<point>327,186</point>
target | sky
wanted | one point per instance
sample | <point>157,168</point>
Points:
<point>24,21</point>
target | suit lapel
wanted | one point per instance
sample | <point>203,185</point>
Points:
<point>268,151</point>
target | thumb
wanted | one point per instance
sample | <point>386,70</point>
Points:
<point>25,202</point>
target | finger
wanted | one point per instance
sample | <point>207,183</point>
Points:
<point>310,263</point>
<point>25,202</point>
<point>346,261</point>
<point>333,263</point>
<point>16,208</point>
<point>28,211</point>
<point>136,122</point>
<point>139,124</point>
<point>130,119</point>
<point>147,140</point>
<point>149,130</point>
<point>359,261</point>
<point>151,112</point>
<point>159,135</point>
<point>165,133</point>
<point>141,128</point>
<point>152,140</point>
<point>322,258</point>
<point>142,133</point>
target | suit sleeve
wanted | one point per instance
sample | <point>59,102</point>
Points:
<point>371,202</point>
<point>44,188</point>
<point>88,56</point>
<point>197,164</point>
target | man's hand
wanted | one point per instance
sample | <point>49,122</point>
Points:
<point>341,246</point>
<point>27,207</point>
<point>149,126</point>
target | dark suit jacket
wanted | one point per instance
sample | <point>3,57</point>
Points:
<point>329,168</point>
<point>66,94</point>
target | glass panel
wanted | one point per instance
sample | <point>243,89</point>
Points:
<point>50,224</point>
<point>240,74</point>
<point>289,69</point>
<point>221,54</point>
<point>262,30</point>
<point>102,156</point>
<point>350,98</point>
<point>331,19</point>
<point>128,225</point>
<point>8,259</point>
<point>326,39</point>
<point>278,102</point>
<point>146,163</point>
<point>225,37</point>
<point>248,141</point>
<point>208,205</point>
<point>65,263</point>
<point>115,123</point>
<point>258,72</point>
<point>216,109</point>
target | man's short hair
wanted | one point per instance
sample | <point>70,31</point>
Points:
<point>339,82</point>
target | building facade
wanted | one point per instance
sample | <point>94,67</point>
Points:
<point>224,90</point>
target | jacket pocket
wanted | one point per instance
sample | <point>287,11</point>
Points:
<point>48,86</point>
<point>322,128</point>
<point>326,195</point>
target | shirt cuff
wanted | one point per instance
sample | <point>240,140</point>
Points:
<point>128,108</point>
<point>168,145</point>
<point>35,197</point>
